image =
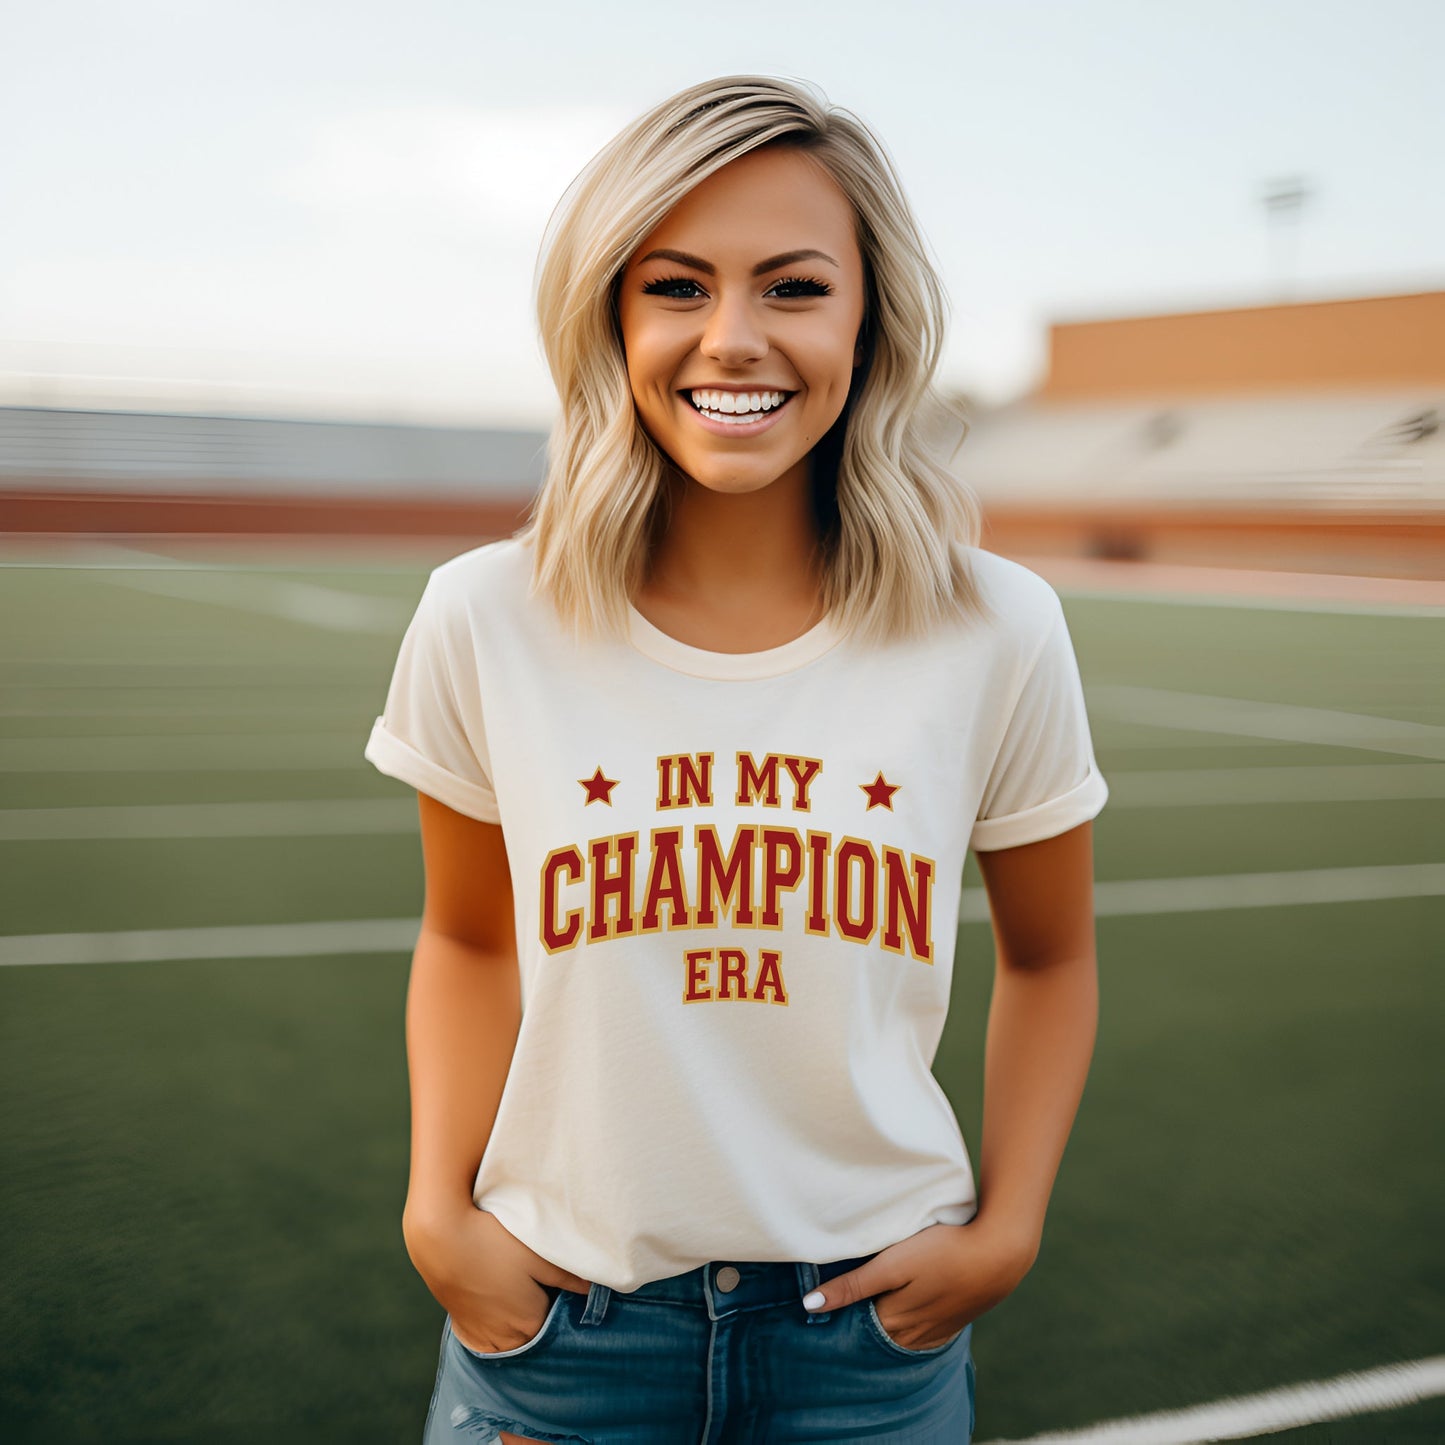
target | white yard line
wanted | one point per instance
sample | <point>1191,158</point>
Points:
<point>239,707</point>
<point>328,608</point>
<point>261,940</point>
<point>1360,1392</point>
<point>1280,722</point>
<point>185,752</point>
<point>1309,783</point>
<point>95,556</point>
<point>1432,610</point>
<point>1257,589</point>
<point>1135,897</point>
<point>388,935</point>
<point>301,818</point>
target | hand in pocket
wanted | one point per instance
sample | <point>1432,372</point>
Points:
<point>926,1289</point>
<point>491,1284</point>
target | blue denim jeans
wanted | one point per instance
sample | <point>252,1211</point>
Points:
<point>722,1355</point>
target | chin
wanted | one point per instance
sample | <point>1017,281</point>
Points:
<point>731,476</point>
<point>730,485</point>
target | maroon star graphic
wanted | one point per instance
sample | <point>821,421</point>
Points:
<point>599,788</point>
<point>880,793</point>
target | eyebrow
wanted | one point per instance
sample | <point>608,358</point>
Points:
<point>787,258</point>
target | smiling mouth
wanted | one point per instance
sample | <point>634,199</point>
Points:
<point>737,408</point>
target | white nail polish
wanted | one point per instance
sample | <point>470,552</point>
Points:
<point>813,1301</point>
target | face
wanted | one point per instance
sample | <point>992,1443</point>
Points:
<point>740,317</point>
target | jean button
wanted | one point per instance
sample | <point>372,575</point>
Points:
<point>727,1279</point>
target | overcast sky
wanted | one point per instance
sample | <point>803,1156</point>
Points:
<point>335,205</point>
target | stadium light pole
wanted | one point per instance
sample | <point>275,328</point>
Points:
<point>1284,199</point>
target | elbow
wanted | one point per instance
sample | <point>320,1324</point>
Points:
<point>1052,961</point>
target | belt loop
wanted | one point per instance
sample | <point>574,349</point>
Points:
<point>808,1278</point>
<point>597,1299</point>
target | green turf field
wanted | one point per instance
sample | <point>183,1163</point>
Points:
<point>205,1159</point>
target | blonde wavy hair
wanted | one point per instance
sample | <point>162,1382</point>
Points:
<point>889,511</point>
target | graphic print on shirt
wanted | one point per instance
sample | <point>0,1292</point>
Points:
<point>599,788</point>
<point>851,888</point>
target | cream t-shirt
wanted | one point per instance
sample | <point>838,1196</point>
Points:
<point>736,884</point>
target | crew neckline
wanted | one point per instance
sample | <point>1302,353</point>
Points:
<point>662,647</point>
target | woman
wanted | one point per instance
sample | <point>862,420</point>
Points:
<point>700,754</point>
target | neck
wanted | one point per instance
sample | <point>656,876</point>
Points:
<point>739,554</point>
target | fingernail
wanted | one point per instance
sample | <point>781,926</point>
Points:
<point>814,1301</point>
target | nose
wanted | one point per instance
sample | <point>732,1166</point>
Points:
<point>733,335</point>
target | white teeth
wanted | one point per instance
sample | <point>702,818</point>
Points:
<point>737,403</point>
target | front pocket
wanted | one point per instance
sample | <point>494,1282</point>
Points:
<point>543,1331</point>
<point>876,1330</point>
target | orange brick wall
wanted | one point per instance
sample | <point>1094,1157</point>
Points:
<point>1372,341</point>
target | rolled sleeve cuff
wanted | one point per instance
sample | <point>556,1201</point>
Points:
<point>1044,820</point>
<point>388,754</point>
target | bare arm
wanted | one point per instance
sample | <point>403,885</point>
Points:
<point>1042,1025</point>
<point>463,1010</point>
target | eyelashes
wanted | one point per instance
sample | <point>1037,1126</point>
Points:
<point>673,286</point>
<point>804,286</point>
<point>796,288</point>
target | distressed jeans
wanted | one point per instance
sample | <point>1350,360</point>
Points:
<point>722,1355</point>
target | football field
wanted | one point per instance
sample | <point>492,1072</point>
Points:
<point>207,899</point>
